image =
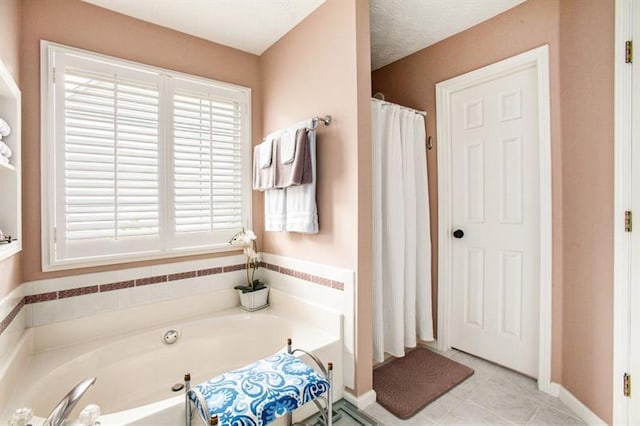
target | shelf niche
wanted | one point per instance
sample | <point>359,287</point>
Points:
<point>11,174</point>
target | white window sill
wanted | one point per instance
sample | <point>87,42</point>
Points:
<point>132,258</point>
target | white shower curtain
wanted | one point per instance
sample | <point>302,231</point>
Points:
<point>401,236</point>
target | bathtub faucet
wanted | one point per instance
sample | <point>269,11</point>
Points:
<point>66,404</point>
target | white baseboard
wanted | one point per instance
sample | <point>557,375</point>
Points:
<point>362,401</point>
<point>578,407</point>
<point>553,389</point>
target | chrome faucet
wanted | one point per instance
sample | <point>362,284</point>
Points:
<point>66,404</point>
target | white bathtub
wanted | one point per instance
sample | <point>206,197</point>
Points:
<point>135,372</point>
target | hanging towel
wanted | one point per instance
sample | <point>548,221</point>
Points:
<point>265,152</point>
<point>288,144</point>
<point>5,151</point>
<point>5,129</point>
<point>263,177</point>
<point>275,210</point>
<point>301,208</point>
<point>299,171</point>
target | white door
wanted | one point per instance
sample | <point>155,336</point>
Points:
<point>495,204</point>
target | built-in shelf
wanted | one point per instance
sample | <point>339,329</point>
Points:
<point>10,174</point>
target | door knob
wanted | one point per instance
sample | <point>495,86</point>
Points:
<point>458,233</point>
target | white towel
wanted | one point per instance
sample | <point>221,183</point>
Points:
<point>5,129</point>
<point>5,151</point>
<point>294,208</point>
<point>275,210</point>
<point>288,144</point>
<point>4,160</point>
<point>265,153</point>
<point>301,208</point>
<point>263,178</point>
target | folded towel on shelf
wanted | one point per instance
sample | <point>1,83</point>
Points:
<point>4,160</point>
<point>265,152</point>
<point>288,144</point>
<point>264,178</point>
<point>5,129</point>
<point>299,171</point>
<point>5,151</point>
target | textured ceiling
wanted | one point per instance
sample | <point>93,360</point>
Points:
<point>398,27</point>
<point>402,27</point>
<point>248,25</point>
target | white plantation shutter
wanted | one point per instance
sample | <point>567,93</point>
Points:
<point>207,160</point>
<point>144,163</point>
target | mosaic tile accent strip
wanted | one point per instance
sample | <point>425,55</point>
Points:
<point>210,271</point>
<point>100,288</point>
<point>117,286</point>
<point>12,315</point>
<point>182,275</point>
<point>42,297</point>
<point>304,276</point>
<point>62,294</point>
<point>151,280</point>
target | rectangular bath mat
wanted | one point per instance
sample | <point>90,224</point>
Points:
<point>405,385</point>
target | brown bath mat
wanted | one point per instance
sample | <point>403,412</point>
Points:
<point>405,385</point>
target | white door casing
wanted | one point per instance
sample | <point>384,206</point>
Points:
<point>495,285</point>
<point>489,162</point>
<point>626,325</point>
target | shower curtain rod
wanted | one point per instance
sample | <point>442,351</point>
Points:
<point>422,113</point>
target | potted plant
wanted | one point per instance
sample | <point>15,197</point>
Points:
<point>253,294</point>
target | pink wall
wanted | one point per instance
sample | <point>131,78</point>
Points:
<point>582,164</point>
<point>411,82</point>
<point>319,68</point>
<point>10,14</point>
<point>79,24</point>
<point>586,89</point>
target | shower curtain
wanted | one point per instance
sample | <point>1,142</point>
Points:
<point>401,236</point>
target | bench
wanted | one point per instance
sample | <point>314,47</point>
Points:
<point>257,394</point>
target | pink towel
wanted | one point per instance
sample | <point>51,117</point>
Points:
<point>299,171</point>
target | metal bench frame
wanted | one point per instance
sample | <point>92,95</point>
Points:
<point>323,403</point>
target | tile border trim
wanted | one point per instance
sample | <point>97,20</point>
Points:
<point>158,279</point>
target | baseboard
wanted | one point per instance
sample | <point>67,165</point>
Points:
<point>553,389</point>
<point>362,401</point>
<point>578,407</point>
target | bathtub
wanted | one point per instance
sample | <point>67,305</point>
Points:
<point>135,372</point>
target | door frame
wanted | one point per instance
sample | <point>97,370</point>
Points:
<point>538,58</point>
<point>625,127</point>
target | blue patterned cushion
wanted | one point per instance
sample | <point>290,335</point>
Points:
<point>257,394</point>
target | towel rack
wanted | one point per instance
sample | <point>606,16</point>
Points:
<point>316,121</point>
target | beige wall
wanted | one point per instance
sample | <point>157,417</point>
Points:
<point>79,24</point>
<point>10,14</point>
<point>411,82</point>
<point>580,37</point>
<point>364,271</point>
<point>586,89</point>
<point>312,71</point>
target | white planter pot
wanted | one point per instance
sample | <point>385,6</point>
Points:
<point>254,300</point>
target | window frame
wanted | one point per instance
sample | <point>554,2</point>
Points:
<point>50,147</point>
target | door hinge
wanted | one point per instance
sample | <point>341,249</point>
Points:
<point>628,221</point>
<point>55,234</point>
<point>628,51</point>
<point>53,75</point>
<point>627,384</point>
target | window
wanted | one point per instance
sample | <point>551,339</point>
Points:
<point>138,162</point>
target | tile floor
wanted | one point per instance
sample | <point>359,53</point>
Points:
<point>493,395</point>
